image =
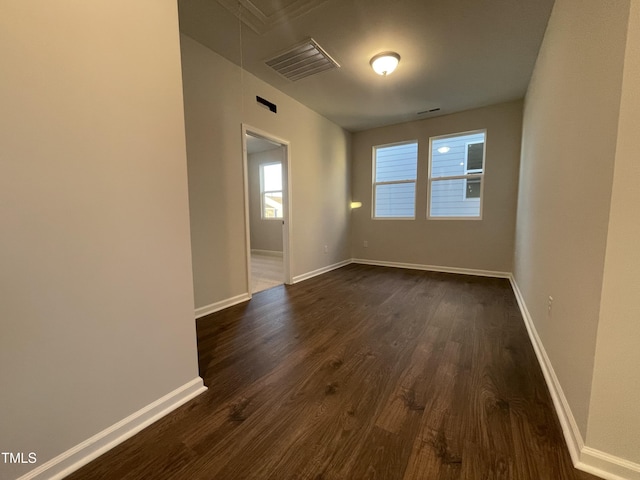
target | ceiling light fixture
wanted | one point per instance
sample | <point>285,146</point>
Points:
<point>443,149</point>
<point>385,63</point>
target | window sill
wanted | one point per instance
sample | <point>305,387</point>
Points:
<point>454,218</point>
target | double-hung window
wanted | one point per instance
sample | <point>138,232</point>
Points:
<point>394,180</point>
<point>456,174</point>
<point>271,190</point>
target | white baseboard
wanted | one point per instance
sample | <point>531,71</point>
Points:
<point>570,429</point>
<point>78,456</point>
<point>607,466</point>
<point>269,253</point>
<point>320,271</point>
<point>434,268</point>
<point>584,458</point>
<point>221,305</point>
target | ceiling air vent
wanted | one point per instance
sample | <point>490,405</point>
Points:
<point>303,60</point>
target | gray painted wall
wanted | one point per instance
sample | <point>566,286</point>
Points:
<point>97,298</point>
<point>266,234</point>
<point>485,244</point>
<point>218,99</point>
<point>568,155</point>
<point>616,428</point>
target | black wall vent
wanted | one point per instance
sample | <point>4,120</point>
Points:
<point>433,110</point>
<point>271,106</point>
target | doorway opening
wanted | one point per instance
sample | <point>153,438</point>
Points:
<point>266,167</point>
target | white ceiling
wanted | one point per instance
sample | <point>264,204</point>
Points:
<point>456,54</point>
<point>258,145</point>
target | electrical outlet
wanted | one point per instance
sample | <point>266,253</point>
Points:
<point>365,244</point>
<point>326,249</point>
<point>549,304</point>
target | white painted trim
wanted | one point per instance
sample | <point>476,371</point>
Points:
<point>430,179</point>
<point>247,216</point>
<point>607,466</point>
<point>569,426</point>
<point>320,271</point>
<point>263,191</point>
<point>78,456</point>
<point>286,199</point>
<point>221,305</point>
<point>268,253</point>
<point>584,458</point>
<point>455,218</point>
<point>374,160</point>
<point>434,268</point>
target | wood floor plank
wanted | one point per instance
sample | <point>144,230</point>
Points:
<point>361,373</point>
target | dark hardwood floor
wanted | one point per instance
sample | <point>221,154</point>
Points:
<point>361,373</point>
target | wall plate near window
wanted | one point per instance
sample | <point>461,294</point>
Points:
<point>456,175</point>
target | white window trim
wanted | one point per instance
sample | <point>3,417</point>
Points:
<point>264,192</point>
<point>430,180</point>
<point>375,184</point>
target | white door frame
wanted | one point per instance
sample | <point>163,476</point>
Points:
<point>286,198</point>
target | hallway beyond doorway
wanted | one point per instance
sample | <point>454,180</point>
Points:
<point>267,271</point>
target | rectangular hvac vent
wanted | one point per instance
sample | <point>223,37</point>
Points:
<point>270,106</point>
<point>302,61</point>
<point>429,111</point>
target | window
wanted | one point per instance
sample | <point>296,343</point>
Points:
<point>394,180</point>
<point>271,190</point>
<point>473,164</point>
<point>456,173</point>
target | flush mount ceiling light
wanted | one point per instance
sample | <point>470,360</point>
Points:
<point>385,63</point>
<point>443,149</point>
